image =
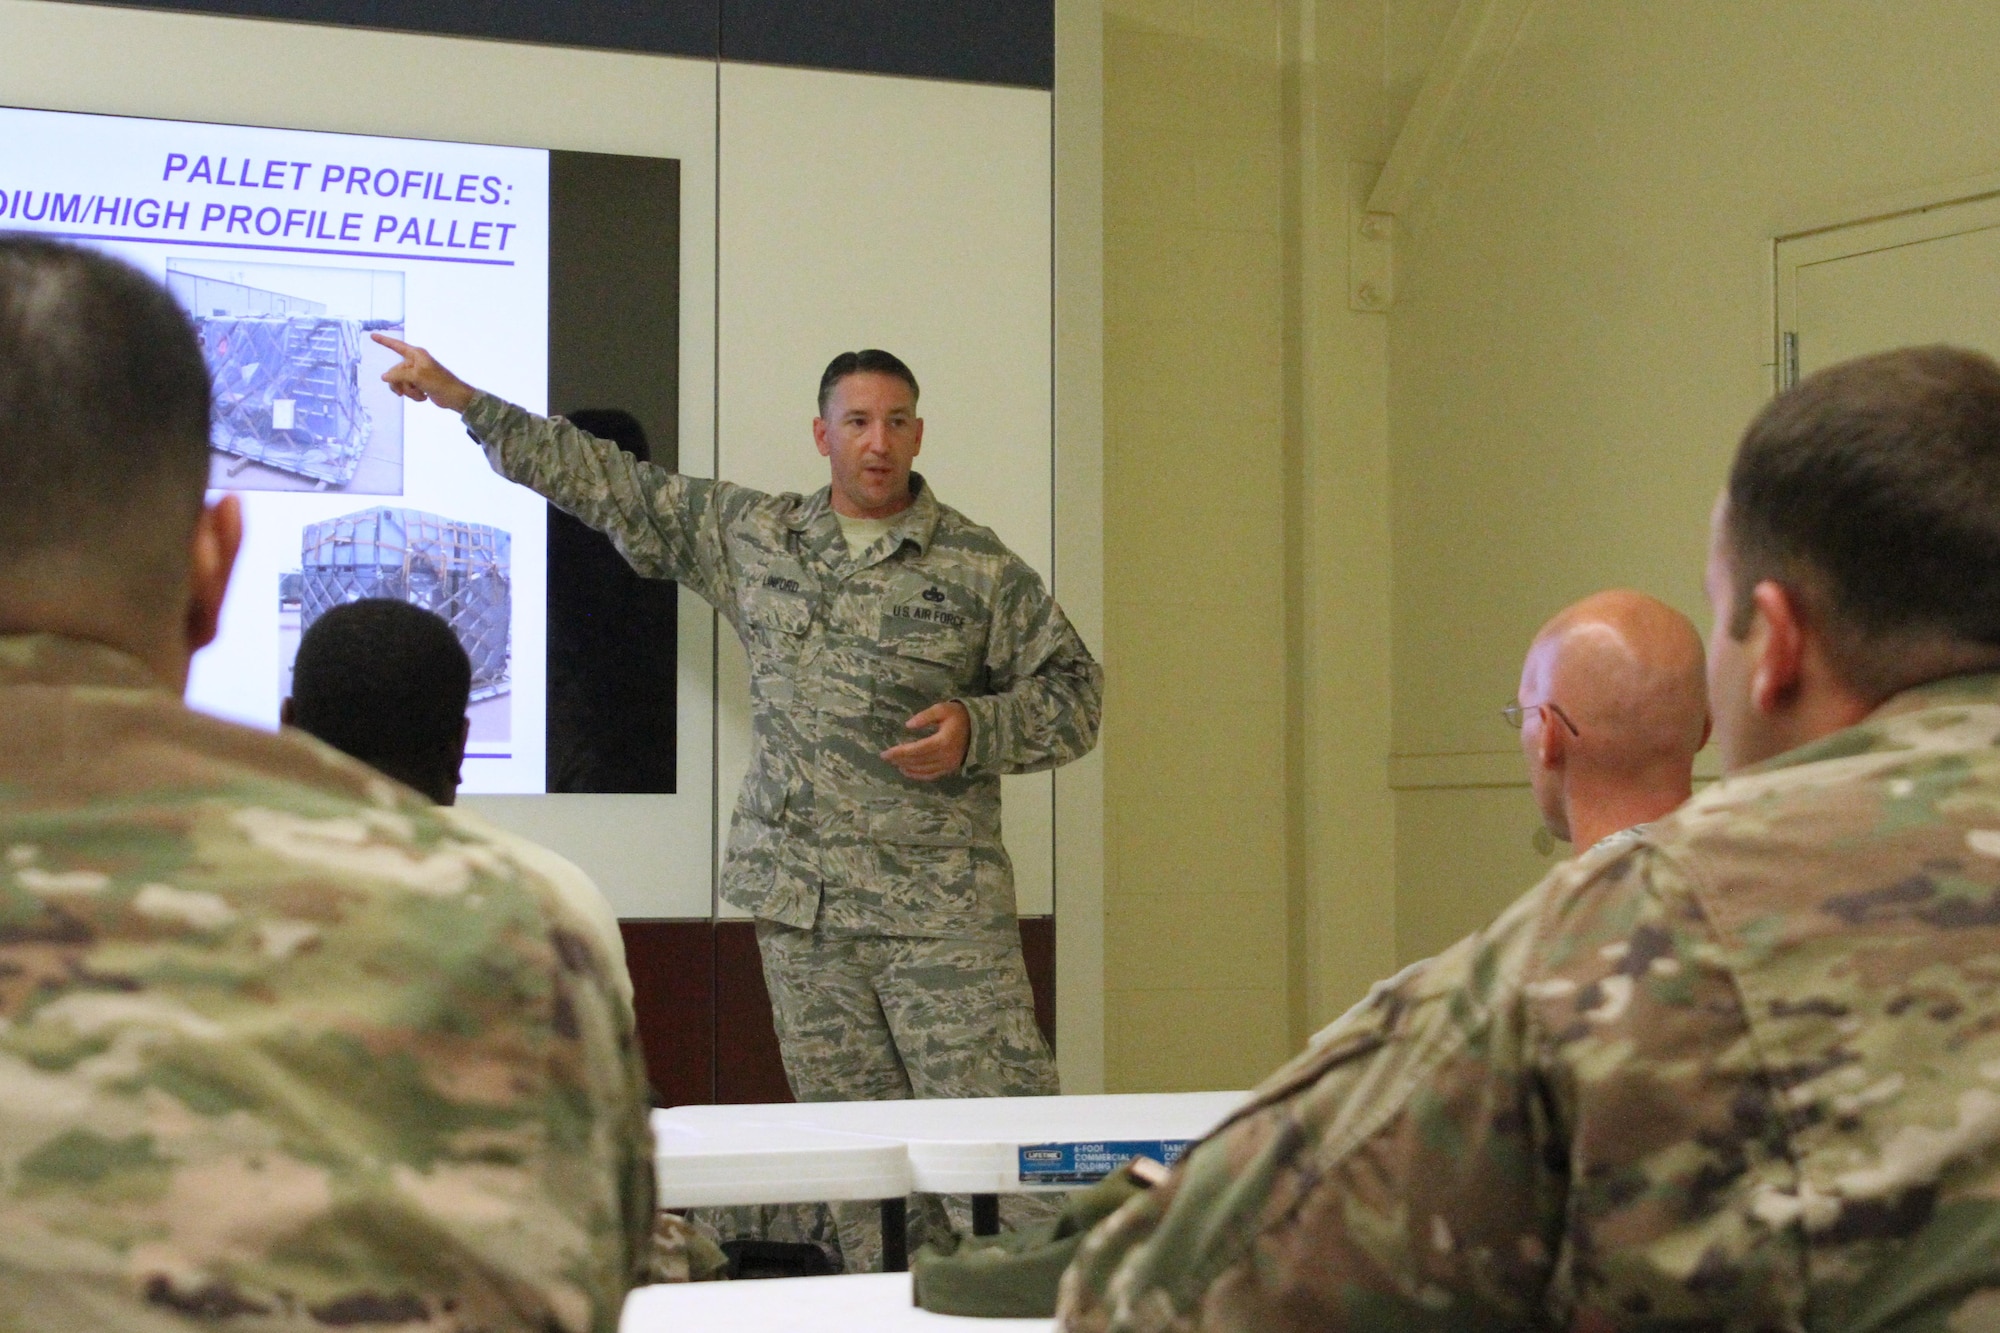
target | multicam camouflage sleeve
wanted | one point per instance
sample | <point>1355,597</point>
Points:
<point>1539,1127</point>
<point>274,1058</point>
<point>666,525</point>
<point>682,1252</point>
<point>1047,692</point>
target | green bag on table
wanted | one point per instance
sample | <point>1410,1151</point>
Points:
<point>1016,1276</point>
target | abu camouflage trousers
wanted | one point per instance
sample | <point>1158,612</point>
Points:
<point>877,1018</point>
<point>884,1018</point>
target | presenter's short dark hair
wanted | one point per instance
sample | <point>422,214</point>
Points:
<point>1873,488</point>
<point>387,683</point>
<point>104,415</point>
<point>867,361</point>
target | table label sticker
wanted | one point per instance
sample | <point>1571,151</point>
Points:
<point>1086,1163</point>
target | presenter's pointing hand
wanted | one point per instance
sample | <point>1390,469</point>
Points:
<point>939,754</point>
<point>420,378</point>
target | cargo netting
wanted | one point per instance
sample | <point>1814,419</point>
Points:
<point>288,392</point>
<point>458,570</point>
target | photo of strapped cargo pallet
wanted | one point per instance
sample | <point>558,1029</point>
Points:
<point>299,403</point>
<point>459,570</point>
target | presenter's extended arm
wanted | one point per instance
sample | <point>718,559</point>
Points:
<point>667,526</point>
<point>420,378</point>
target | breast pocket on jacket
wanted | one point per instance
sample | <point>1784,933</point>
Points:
<point>776,624</point>
<point>932,644</point>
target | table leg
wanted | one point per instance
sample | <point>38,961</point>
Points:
<point>895,1236</point>
<point>985,1214</point>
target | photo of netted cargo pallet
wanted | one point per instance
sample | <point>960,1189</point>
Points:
<point>288,391</point>
<point>459,570</point>
<point>299,402</point>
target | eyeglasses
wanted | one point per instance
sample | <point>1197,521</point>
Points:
<point>1517,713</point>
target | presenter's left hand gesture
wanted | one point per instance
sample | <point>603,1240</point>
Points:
<point>939,754</point>
<point>419,377</point>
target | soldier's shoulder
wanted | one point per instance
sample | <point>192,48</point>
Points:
<point>1879,780</point>
<point>958,541</point>
<point>765,519</point>
<point>959,532</point>
<point>251,815</point>
<point>342,1013</point>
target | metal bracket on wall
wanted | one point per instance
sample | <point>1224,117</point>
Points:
<point>1371,262</point>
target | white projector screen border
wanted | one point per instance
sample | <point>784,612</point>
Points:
<point>652,855</point>
<point>967,283</point>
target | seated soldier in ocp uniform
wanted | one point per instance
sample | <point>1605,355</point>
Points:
<point>1740,1071</point>
<point>279,1047</point>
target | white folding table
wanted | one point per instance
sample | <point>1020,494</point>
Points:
<point>864,1303</point>
<point>724,1162</point>
<point>981,1146</point>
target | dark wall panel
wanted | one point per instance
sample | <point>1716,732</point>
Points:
<point>975,41</point>
<point>747,1065</point>
<point>615,290</point>
<point>662,27</point>
<point>705,1017</point>
<point>998,41</point>
<point>673,998</point>
<point>614,343</point>
<point>1038,950</point>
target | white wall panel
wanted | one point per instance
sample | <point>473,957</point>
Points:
<point>863,211</point>
<point>854,210</point>
<point>651,854</point>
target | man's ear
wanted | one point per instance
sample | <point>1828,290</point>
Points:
<point>820,441</point>
<point>458,767</point>
<point>1551,743</point>
<point>218,536</point>
<point>285,712</point>
<point>917,444</point>
<point>1777,643</point>
<point>1707,730</point>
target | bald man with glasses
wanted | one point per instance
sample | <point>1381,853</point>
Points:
<point>1611,711</point>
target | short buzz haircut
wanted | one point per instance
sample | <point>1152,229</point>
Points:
<point>867,361</point>
<point>1872,489</point>
<point>387,683</point>
<point>104,419</point>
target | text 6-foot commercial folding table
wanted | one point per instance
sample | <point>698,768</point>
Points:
<point>981,1146</point>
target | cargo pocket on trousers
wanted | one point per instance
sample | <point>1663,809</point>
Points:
<point>925,866</point>
<point>754,834</point>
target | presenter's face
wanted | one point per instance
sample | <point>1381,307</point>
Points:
<point>870,434</point>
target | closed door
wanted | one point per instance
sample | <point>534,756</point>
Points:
<point>1922,277</point>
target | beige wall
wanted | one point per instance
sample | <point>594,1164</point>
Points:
<point>1249,832</point>
<point>1194,479</point>
<point>1583,326</point>
<point>1329,534</point>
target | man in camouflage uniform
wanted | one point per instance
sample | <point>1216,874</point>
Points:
<point>1742,1072</point>
<point>871,613</point>
<point>279,1049</point>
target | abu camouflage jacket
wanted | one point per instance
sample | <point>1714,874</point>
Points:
<point>844,648</point>
<point>1739,1073</point>
<point>281,1050</point>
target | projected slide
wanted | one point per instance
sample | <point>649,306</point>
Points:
<point>289,248</point>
